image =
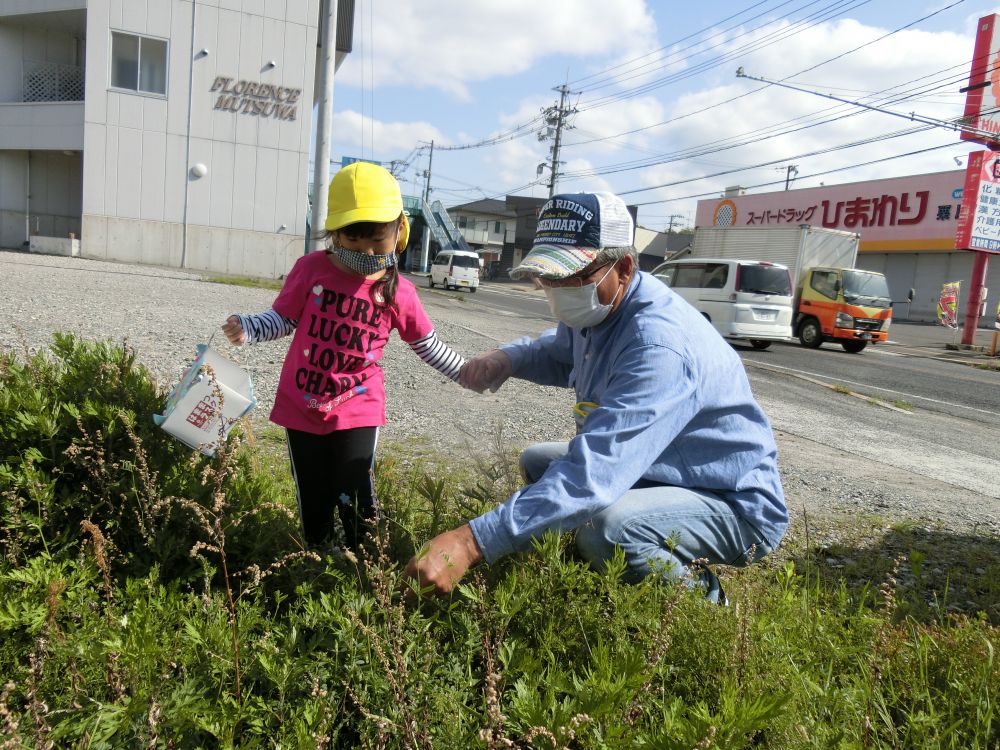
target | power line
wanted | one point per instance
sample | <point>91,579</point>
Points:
<point>963,66</point>
<point>924,90</point>
<point>579,81</point>
<point>679,55</point>
<point>726,143</point>
<point>913,116</point>
<point>773,182</point>
<point>773,37</point>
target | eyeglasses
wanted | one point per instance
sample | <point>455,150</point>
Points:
<point>576,279</point>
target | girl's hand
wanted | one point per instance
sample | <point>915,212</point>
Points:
<point>234,331</point>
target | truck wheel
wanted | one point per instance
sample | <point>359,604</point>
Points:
<point>472,289</point>
<point>853,346</point>
<point>759,344</point>
<point>810,334</point>
<point>430,282</point>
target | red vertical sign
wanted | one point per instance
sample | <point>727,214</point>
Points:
<point>983,97</point>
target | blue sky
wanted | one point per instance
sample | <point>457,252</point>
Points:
<point>661,116</point>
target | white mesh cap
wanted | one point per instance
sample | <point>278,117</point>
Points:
<point>572,229</point>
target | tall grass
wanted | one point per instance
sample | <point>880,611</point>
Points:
<point>154,599</point>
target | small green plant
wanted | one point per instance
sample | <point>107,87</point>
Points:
<point>901,404</point>
<point>842,389</point>
<point>151,597</point>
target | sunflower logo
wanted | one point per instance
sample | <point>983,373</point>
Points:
<point>725,214</point>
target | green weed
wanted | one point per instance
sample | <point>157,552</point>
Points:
<point>154,598</point>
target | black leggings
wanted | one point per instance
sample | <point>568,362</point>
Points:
<point>335,470</point>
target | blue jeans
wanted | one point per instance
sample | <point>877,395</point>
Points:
<point>660,529</point>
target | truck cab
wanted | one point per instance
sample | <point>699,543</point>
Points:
<point>843,305</point>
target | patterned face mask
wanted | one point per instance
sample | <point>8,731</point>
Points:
<point>363,263</point>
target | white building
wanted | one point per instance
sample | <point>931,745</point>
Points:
<point>487,225</point>
<point>170,132</point>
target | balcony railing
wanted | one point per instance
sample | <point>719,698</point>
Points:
<point>52,82</point>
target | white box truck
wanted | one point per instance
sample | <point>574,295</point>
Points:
<point>833,301</point>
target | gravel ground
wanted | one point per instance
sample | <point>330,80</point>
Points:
<point>870,464</point>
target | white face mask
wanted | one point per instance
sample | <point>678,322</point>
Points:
<point>578,306</point>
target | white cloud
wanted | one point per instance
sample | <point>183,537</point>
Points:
<point>937,59</point>
<point>451,44</point>
<point>453,47</point>
<point>353,129</point>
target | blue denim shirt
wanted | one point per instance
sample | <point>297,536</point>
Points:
<point>674,407</point>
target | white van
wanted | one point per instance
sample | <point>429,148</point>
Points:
<point>458,269</point>
<point>749,300</point>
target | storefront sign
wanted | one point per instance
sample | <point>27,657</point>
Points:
<point>255,98</point>
<point>983,97</point>
<point>979,225</point>
<point>901,213</point>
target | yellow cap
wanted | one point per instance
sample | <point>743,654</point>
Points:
<point>365,192</point>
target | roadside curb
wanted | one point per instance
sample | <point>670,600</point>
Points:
<point>970,359</point>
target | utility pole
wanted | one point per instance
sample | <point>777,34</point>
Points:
<point>555,117</point>
<point>790,171</point>
<point>670,226</point>
<point>427,174</point>
<point>326,64</point>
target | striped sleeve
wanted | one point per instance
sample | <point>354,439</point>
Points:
<point>439,355</point>
<point>266,326</point>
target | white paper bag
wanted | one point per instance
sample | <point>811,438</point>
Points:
<point>193,414</point>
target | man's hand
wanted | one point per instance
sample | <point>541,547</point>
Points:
<point>234,331</point>
<point>443,561</point>
<point>486,372</point>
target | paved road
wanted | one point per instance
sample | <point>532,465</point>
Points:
<point>914,368</point>
<point>893,372</point>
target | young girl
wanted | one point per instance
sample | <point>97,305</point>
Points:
<point>341,305</point>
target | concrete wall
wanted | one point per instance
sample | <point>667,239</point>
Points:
<point>56,200</point>
<point>138,189</point>
<point>41,125</point>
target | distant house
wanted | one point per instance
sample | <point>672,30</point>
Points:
<point>654,246</point>
<point>481,223</point>
<point>487,225</point>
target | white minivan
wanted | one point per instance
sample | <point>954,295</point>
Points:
<point>458,269</point>
<point>749,300</point>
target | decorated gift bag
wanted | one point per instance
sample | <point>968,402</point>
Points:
<point>199,412</point>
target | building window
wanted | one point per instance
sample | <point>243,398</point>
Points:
<point>138,63</point>
<point>462,222</point>
<point>497,228</point>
